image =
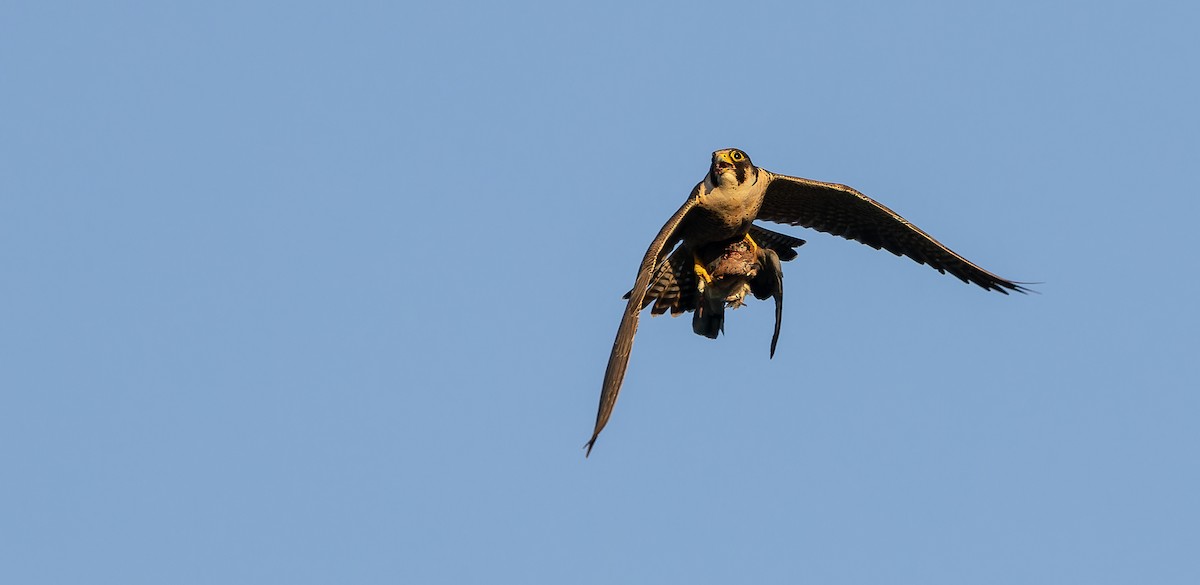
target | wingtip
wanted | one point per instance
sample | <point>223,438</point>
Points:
<point>588,446</point>
<point>1026,290</point>
<point>1017,287</point>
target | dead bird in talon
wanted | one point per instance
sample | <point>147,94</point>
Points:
<point>718,276</point>
<point>675,272</point>
<point>735,270</point>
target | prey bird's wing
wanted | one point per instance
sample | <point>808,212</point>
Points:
<point>783,244</point>
<point>769,283</point>
<point>842,211</point>
<point>619,358</point>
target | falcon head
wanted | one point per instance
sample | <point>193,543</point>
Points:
<point>731,167</point>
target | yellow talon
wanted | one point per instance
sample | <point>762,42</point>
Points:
<point>753,244</point>
<point>700,270</point>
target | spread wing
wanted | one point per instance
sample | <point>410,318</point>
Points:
<point>842,211</point>
<point>618,360</point>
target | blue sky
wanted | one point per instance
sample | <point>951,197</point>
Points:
<point>316,293</point>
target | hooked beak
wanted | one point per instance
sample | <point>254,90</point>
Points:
<point>721,161</point>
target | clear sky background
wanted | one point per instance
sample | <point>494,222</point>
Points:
<point>323,293</point>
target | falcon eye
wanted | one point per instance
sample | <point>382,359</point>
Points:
<point>737,155</point>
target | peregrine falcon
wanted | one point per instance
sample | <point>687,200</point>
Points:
<point>722,255</point>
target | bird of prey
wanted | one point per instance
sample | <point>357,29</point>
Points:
<point>719,213</point>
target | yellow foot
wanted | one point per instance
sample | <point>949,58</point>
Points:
<point>753,245</point>
<point>698,266</point>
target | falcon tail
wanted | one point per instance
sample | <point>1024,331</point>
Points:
<point>709,318</point>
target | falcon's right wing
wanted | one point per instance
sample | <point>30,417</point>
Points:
<point>618,360</point>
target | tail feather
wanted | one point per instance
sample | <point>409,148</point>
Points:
<point>709,320</point>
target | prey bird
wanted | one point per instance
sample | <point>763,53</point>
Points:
<point>718,275</point>
<point>722,256</point>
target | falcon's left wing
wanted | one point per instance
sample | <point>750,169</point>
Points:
<point>842,211</point>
